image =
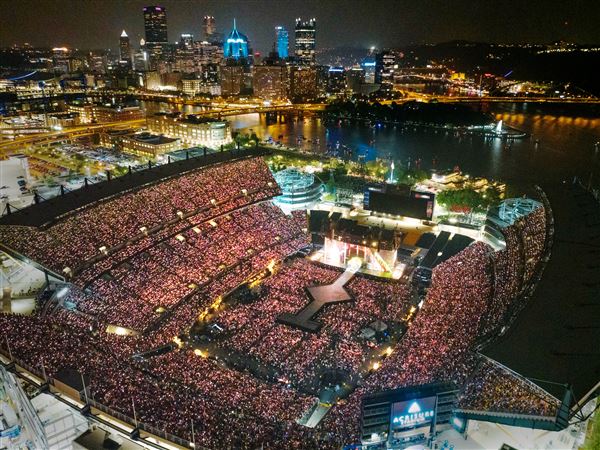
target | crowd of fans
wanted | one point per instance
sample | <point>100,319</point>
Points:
<point>487,390</point>
<point>136,292</point>
<point>159,282</point>
<point>533,227</point>
<point>514,266</point>
<point>300,356</point>
<point>206,192</point>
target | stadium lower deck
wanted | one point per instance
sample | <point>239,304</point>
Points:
<point>192,272</point>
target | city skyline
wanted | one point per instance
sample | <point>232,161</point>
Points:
<point>428,22</point>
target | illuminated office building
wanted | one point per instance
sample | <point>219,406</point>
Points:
<point>236,44</point>
<point>282,42</point>
<point>303,83</point>
<point>195,86</point>
<point>232,79</point>
<point>336,80</point>
<point>368,65</point>
<point>269,82</point>
<point>385,65</point>
<point>191,130</point>
<point>155,26</point>
<point>94,113</point>
<point>149,145</point>
<point>125,53</point>
<point>209,28</point>
<point>185,60</point>
<point>305,34</point>
<point>355,77</point>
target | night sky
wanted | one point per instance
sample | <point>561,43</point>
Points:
<point>362,23</point>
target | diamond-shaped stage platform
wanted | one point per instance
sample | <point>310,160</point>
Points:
<point>321,296</point>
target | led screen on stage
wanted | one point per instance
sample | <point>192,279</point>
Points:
<point>418,207</point>
<point>412,413</point>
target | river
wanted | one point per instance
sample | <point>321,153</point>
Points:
<point>561,142</point>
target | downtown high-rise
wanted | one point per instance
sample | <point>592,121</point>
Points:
<point>305,41</point>
<point>236,44</point>
<point>155,27</point>
<point>209,28</point>
<point>282,42</point>
<point>125,53</point>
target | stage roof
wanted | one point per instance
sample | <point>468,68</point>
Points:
<point>47,211</point>
<point>556,336</point>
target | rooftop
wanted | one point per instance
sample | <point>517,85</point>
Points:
<point>190,118</point>
<point>154,139</point>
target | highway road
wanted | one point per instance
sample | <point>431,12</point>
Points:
<point>10,146</point>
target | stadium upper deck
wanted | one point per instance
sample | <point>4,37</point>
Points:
<point>75,231</point>
<point>46,212</point>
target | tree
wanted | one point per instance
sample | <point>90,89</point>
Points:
<point>462,199</point>
<point>330,185</point>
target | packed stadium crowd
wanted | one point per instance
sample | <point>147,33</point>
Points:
<point>438,344</point>
<point>534,233</point>
<point>487,390</point>
<point>179,269</point>
<point>514,267</point>
<point>251,328</point>
<point>202,194</point>
<point>136,292</point>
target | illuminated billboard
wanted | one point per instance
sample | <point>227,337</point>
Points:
<point>414,413</point>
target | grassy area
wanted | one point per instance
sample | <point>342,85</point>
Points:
<point>592,441</point>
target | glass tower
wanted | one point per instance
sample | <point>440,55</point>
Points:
<point>236,45</point>
<point>155,24</point>
<point>305,34</point>
<point>282,39</point>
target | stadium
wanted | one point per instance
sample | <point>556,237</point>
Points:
<point>184,306</point>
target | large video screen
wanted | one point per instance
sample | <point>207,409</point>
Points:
<point>417,206</point>
<point>412,413</point>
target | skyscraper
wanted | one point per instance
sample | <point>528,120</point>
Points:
<point>125,53</point>
<point>155,26</point>
<point>269,81</point>
<point>385,64</point>
<point>236,45</point>
<point>184,58</point>
<point>302,83</point>
<point>208,28</point>
<point>282,40</point>
<point>305,34</point>
<point>232,79</point>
